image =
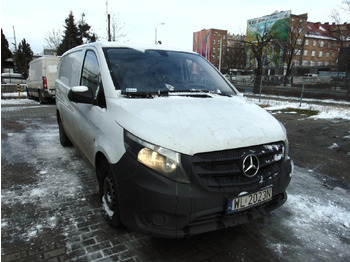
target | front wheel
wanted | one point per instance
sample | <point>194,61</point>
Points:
<point>64,139</point>
<point>108,195</point>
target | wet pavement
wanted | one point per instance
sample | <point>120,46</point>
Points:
<point>50,210</point>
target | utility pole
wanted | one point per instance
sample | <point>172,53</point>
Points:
<point>108,22</point>
<point>14,35</point>
<point>220,54</point>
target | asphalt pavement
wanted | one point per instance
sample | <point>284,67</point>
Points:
<point>50,209</point>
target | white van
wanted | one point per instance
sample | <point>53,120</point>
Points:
<point>41,79</point>
<point>176,149</point>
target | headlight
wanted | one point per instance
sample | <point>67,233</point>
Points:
<point>164,161</point>
<point>286,142</point>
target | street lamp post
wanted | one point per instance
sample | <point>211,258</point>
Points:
<point>156,41</point>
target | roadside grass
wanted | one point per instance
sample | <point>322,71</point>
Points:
<point>290,110</point>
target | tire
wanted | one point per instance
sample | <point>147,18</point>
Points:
<point>64,140</point>
<point>28,95</point>
<point>41,98</point>
<point>108,194</point>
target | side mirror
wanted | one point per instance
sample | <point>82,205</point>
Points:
<point>81,94</point>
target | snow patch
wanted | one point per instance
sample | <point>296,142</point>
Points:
<point>331,110</point>
<point>17,101</point>
<point>334,146</point>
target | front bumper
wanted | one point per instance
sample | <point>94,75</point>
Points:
<point>155,205</point>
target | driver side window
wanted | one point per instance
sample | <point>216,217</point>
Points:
<point>91,78</point>
<point>91,72</point>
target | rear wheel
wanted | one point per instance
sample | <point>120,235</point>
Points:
<point>108,194</point>
<point>29,96</point>
<point>41,97</point>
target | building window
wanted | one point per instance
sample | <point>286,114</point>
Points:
<point>305,63</point>
<point>306,53</point>
<point>322,44</point>
<point>312,63</point>
<point>307,42</point>
<point>315,43</point>
<point>319,63</point>
<point>320,54</point>
<point>313,53</point>
<point>327,54</point>
<point>298,41</point>
<point>298,52</point>
<point>214,41</point>
<point>326,63</point>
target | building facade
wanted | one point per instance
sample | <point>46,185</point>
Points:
<point>223,50</point>
<point>316,44</point>
<point>212,44</point>
<point>322,44</point>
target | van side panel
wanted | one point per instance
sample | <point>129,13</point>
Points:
<point>68,75</point>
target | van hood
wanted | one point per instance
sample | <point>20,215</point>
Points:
<point>192,125</point>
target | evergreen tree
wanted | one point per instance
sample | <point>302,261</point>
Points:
<point>5,51</point>
<point>75,35</point>
<point>72,36</point>
<point>84,29</point>
<point>22,57</point>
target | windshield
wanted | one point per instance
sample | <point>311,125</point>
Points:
<point>158,71</point>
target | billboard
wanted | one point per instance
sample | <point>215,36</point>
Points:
<point>276,22</point>
<point>276,25</point>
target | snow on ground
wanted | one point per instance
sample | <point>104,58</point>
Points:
<point>16,101</point>
<point>331,110</point>
<point>53,186</point>
<point>316,217</point>
<point>13,94</point>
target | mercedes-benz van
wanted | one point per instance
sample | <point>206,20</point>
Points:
<point>177,150</point>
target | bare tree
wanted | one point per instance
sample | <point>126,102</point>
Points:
<point>118,29</point>
<point>295,43</point>
<point>340,32</point>
<point>53,39</point>
<point>259,44</point>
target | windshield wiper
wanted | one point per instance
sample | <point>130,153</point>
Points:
<point>139,94</point>
<point>187,92</point>
<point>199,91</point>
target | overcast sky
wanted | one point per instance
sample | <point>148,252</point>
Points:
<point>34,19</point>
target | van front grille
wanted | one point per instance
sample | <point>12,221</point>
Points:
<point>224,168</point>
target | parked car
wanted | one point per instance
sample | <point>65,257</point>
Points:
<point>176,149</point>
<point>41,79</point>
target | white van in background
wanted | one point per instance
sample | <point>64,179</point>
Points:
<point>42,76</point>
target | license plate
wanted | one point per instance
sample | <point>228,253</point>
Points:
<point>243,202</point>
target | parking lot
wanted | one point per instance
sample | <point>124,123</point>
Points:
<point>50,209</point>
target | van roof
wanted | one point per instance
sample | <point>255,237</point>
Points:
<point>137,46</point>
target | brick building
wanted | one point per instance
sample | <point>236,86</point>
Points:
<point>236,51</point>
<point>223,50</point>
<point>212,44</point>
<point>317,45</point>
<point>322,44</point>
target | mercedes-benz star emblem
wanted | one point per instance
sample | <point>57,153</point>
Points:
<point>250,165</point>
